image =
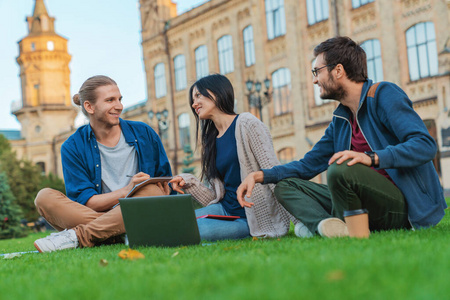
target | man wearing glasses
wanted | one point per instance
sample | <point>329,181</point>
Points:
<point>377,153</point>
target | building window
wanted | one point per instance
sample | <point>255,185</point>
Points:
<point>249,46</point>
<point>317,11</point>
<point>160,81</point>
<point>183,128</point>
<point>374,63</point>
<point>33,47</point>
<point>179,64</point>
<point>225,49</point>
<point>286,155</point>
<point>35,98</point>
<point>50,46</point>
<point>358,3</point>
<point>41,167</point>
<point>201,62</point>
<point>422,51</point>
<point>281,83</point>
<point>275,18</point>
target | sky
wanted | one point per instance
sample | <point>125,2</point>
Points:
<point>104,38</point>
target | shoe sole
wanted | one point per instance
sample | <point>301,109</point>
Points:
<point>334,228</point>
<point>37,247</point>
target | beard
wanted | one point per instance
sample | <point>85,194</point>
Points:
<point>332,91</point>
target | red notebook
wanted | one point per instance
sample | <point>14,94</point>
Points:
<point>218,217</point>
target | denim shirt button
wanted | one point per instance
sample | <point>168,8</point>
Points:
<point>97,166</point>
<point>96,185</point>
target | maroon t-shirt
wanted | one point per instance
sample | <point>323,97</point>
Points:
<point>359,144</point>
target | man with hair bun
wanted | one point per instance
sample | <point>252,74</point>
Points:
<point>377,153</point>
<point>102,161</point>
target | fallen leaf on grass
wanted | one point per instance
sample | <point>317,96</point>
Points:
<point>131,254</point>
<point>175,254</point>
<point>103,262</point>
<point>335,275</point>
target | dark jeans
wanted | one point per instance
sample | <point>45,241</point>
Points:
<point>349,188</point>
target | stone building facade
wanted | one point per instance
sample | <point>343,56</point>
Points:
<point>406,41</point>
<point>45,111</point>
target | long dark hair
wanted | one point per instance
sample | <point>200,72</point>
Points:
<point>219,86</point>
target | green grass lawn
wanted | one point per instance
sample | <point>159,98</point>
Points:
<point>389,265</point>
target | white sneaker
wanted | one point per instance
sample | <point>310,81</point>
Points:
<point>332,227</point>
<point>66,239</point>
<point>302,231</point>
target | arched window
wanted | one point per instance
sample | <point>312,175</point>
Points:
<point>317,11</point>
<point>249,46</point>
<point>281,83</point>
<point>41,166</point>
<point>160,81</point>
<point>374,63</point>
<point>358,3</point>
<point>286,155</point>
<point>179,65</point>
<point>201,61</point>
<point>225,49</point>
<point>422,51</point>
<point>183,129</point>
<point>275,18</point>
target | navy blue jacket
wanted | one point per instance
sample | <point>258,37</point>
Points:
<point>81,158</point>
<point>399,137</point>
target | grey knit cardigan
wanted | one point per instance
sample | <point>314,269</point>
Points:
<point>267,218</point>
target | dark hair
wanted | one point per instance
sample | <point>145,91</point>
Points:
<point>343,50</point>
<point>87,90</point>
<point>219,86</point>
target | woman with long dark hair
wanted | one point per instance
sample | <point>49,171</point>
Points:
<point>232,147</point>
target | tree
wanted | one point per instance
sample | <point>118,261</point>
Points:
<point>25,179</point>
<point>54,182</point>
<point>10,212</point>
<point>188,159</point>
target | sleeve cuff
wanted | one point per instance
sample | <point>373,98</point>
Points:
<point>270,176</point>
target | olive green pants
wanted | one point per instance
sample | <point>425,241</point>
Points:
<point>349,188</point>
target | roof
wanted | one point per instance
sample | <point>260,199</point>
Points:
<point>11,134</point>
<point>135,106</point>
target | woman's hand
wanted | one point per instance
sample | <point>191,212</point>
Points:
<point>177,184</point>
<point>245,189</point>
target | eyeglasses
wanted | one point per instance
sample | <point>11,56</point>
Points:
<point>315,71</point>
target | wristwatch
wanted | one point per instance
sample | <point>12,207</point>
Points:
<point>371,154</point>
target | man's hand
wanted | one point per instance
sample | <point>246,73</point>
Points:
<point>177,184</point>
<point>355,158</point>
<point>136,179</point>
<point>165,188</point>
<point>246,187</point>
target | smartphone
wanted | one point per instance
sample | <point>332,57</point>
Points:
<point>219,217</point>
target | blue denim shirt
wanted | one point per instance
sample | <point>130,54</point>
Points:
<point>81,158</point>
<point>399,137</point>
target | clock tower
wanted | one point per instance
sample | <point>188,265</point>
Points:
<point>46,112</point>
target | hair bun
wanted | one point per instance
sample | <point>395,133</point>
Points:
<point>76,99</point>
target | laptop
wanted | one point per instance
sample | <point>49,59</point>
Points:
<point>166,221</point>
